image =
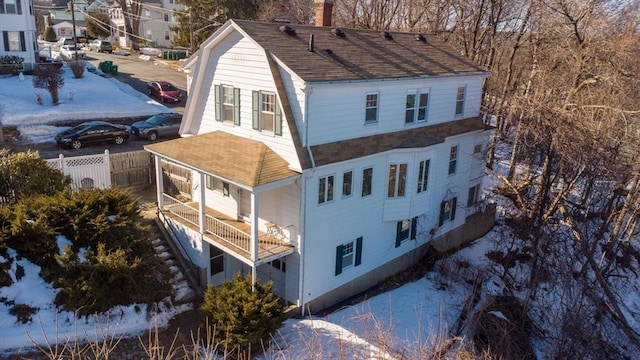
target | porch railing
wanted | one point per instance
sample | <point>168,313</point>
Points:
<point>213,226</point>
<point>227,233</point>
<point>180,209</point>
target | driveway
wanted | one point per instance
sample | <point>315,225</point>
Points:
<point>137,72</point>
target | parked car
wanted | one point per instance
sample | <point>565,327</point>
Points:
<point>65,41</point>
<point>92,132</point>
<point>100,46</point>
<point>164,90</point>
<point>161,125</point>
<point>68,52</point>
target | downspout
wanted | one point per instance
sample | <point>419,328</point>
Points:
<point>303,200</point>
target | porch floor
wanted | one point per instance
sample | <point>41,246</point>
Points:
<point>268,245</point>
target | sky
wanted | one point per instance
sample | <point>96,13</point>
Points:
<point>396,322</point>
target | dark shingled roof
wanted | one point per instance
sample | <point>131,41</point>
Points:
<point>234,158</point>
<point>359,55</point>
<point>413,138</point>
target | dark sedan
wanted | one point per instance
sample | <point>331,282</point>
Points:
<point>161,125</point>
<point>92,132</point>
<point>164,90</point>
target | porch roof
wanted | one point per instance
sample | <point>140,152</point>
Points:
<point>244,161</point>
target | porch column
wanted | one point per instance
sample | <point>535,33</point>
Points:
<point>159,182</point>
<point>202,213</point>
<point>254,238</point>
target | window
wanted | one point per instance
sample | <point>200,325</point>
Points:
<point>460,101</point>
<point>10,7</point>
<point>371,112</point>
<point>448,210</point>
<point>367,177</point>
<point>347,178</point>
<point>167,35</point>
<point>423,175</point>
<point>14,40</point>
<point>474,193</point>
<point>166,17</point>
<point>279,264</point>
<point>453,159</point>
<point>325,189</point>
<point>215,184</point>
<point>266,112</point>
<point>347,256</point>
<point>477,149</point>
<point>397,180</point>
<point>227,104</point>
<point>406,229</point>
<point>149,35</point>
<point>216,260</point>
<point>147,13</point>
<point>416,110</point>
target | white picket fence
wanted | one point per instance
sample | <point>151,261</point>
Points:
<point>87,172</point>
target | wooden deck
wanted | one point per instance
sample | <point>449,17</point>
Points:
<point>224,231</point>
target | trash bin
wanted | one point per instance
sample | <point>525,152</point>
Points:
<point>182,54</point>
<point>165,54</point>
<point>114,70</point>
<point>101,66</point>
<point>107,66</point>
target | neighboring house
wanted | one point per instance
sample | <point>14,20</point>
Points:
<point>62,21</point>
<point>18,28</point>
<point>156,20</point>
<point>323,159</point>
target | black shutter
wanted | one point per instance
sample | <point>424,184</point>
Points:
<point>217,92</point>
<point>398,233</point>
<point>236,106</point>
<point>454,203</point>
<point>256,111</point>
<point>358,251</point>
<point>414,226</point>
<point>5,37</point>
<point>23,43</point>
<point>443,205</point>
<point>2,10</point>
<point>339,254</point>
<point>19,8</point>
<point>278,119</point>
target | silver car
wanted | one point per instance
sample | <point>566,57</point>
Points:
<point>161,125</point>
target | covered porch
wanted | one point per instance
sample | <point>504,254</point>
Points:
<point>225,179</point>
<point>227,233</point>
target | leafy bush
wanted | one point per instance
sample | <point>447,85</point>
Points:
<point>11,64</point>
<point>242,319</point>
<point>26,174</point>
<point>118,266</point>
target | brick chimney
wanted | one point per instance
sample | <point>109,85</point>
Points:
<point>323,12</point>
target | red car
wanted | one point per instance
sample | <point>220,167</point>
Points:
<point>164,90</point>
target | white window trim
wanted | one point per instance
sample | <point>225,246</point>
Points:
<point>351,186</point>
<point>416,107</point>
<point>327,189</point>
<point>423,174</point>
<point>396,180</point>
<point>453,160</point>
<point>462,101</point>
<point>376,107</point>
<point>362,182</point>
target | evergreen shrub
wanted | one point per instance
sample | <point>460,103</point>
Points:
<point>242,320</point>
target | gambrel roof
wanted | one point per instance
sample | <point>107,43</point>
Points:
<point>358,55</point>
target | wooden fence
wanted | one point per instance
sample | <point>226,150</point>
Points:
<point>125,169</point>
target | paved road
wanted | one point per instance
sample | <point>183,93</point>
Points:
<point>137,72</point>
<point>133,71</point>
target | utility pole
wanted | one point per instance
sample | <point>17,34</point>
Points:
<point>73,21</point>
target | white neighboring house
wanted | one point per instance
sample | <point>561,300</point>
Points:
<point>156,20</point>
<point>18,28</point>
<point>323,159</point>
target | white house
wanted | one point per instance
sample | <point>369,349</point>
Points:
<point>157,17</point>
<point>323,159</point>
<point>18,27</point>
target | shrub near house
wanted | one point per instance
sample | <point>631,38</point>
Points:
<point>109,260</point>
